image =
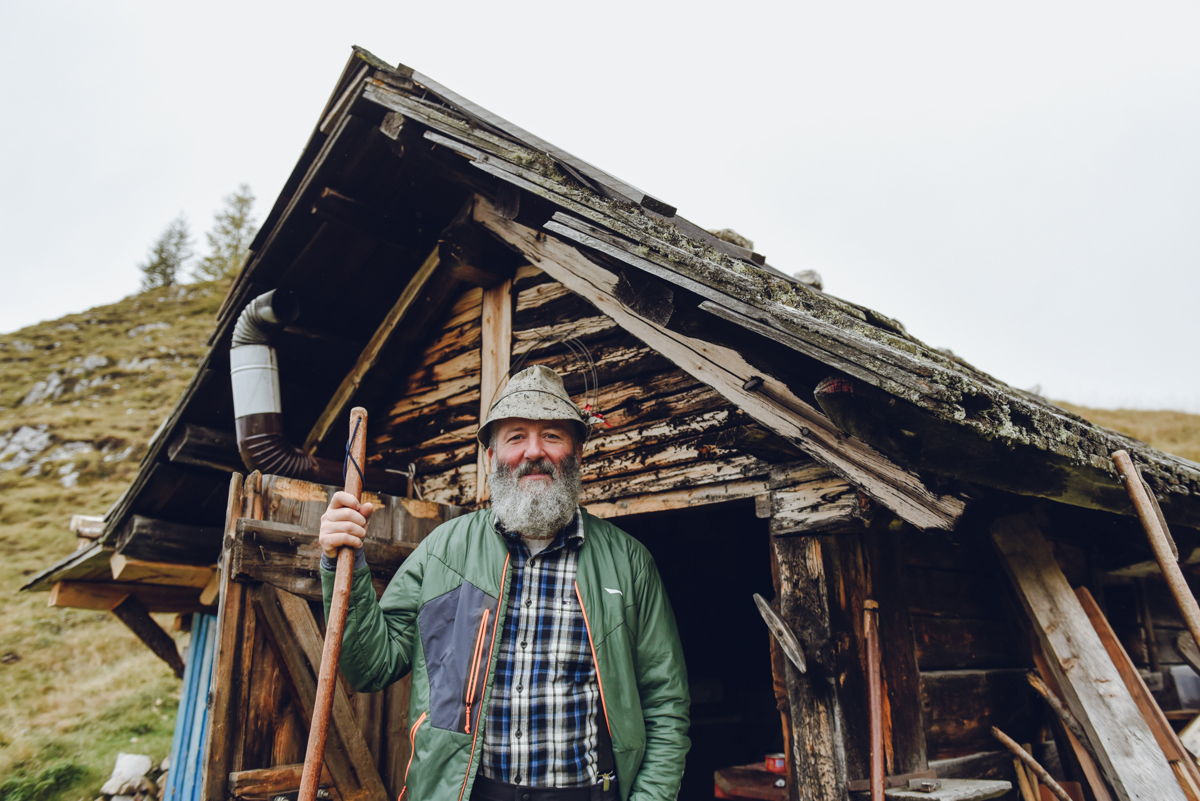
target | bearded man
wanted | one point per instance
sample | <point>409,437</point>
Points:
<point>545,661</point>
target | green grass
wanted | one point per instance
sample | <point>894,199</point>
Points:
<point>76,687</point>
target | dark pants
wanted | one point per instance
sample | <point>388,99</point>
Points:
<point>487,790</point>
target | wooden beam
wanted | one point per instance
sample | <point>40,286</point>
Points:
<point>159,540</point>
<point>287,556</point>
<point>202,446</point>
<point>264,784</point>
<point>135,616</point>
<point>1093,689</point>
<point>495,358</point>
<point>679,499</point>
<point>809,499</point>
<point>125,568</point>
<point>370,354</point>
<point>769,401</point>
<point>106,596</point>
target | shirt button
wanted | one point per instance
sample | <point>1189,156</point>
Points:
<point>529,602</point>
<point>524,643</point>
<point>520,688</point>
<point>518,734</point>
<point>524,796</point>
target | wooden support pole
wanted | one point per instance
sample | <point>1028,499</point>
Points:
<point>1161,543</point>
<point>134,615</point>
<point>874,696</point>
<point>495,358</point>
<point>818,757</point>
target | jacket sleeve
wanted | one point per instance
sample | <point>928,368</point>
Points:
<point>663,690</point>
<point>377,646</point>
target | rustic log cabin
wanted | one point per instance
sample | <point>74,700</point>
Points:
<point>920,534</point>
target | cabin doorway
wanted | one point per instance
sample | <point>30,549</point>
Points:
<point>712,560</point>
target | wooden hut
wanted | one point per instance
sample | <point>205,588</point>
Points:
<point>759,436</point>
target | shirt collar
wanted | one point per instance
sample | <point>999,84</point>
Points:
<point>571,534</point>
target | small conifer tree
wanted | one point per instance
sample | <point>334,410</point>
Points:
<point>229,240</point>
<point>167,255</point>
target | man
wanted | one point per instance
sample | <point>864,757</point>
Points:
<point>545,661</point>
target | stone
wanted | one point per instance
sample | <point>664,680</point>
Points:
<point>953,790</point>
<point>128,768</point>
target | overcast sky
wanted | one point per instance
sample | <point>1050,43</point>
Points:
<point>1019,182</point>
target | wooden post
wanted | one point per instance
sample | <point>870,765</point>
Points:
<point>1091,686</point>
<point>818,758</point>
<point>231,608</point>
<point>495,358</point>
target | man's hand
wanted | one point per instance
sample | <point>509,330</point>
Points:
<point>343,524</point>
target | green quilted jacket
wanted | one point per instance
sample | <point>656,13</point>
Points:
<point>438,619</point>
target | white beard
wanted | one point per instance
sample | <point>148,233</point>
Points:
<point>536,510</point>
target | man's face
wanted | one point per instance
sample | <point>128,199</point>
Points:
<point>518,440</point>
<point>535,475</point>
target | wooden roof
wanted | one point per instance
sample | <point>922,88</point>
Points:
<point>392,164</point>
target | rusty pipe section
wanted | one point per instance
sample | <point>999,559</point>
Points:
<point>257,404</point>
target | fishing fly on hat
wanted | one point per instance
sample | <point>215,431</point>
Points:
<point>536,393</point>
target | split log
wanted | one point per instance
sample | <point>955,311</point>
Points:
<point>265,784</point>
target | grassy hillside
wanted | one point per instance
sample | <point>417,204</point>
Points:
<point>79,400</point>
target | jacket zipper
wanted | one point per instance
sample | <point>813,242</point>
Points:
<point>412,742</point>
<point>474,675</point>
<point>491,656</point>
<point>587,625</point>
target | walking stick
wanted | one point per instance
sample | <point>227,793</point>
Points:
<point>314,754</point>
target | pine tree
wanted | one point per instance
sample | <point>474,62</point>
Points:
<point>167,255</point>
<point>229,240</point>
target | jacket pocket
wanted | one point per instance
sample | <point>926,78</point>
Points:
<point>474,685</point>
<point>455,638</point>
<point>412,744</point>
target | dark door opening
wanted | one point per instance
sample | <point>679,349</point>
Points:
<point>712,560</point>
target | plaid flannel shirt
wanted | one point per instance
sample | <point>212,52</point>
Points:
<point>541,725</point>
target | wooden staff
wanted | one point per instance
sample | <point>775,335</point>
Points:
<point>874,696</point>
<point>1160,541</point>
<point>314,754</point>
<point>1023,755</point>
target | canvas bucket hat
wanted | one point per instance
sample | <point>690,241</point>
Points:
<point>535,393</point>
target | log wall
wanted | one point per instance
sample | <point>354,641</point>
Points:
<point>971,653</point>
<point>665,430</point>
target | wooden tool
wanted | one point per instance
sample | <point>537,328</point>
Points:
<point>783,634</point>
<point>314,755</point>
<point>1165,552</point>
<point>1027,758</point>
